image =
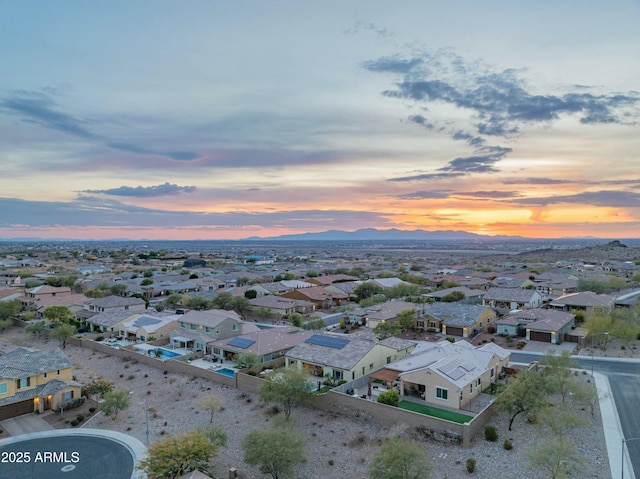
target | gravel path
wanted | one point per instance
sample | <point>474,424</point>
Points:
<point>174,402</point>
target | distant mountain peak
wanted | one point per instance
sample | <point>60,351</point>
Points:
<point>373,234</point>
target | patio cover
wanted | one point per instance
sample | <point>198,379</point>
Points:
<point>143,347</point>
<point>388,375</point>
<point>181,339</point>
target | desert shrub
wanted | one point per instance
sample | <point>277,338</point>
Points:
<point>331,462</point>
<point>74,423</point>
<point>491,330</point>
<point>390,397</point>
<point>100,338</point>
<point>471,465</point>
<point>507,445</point>
<point>451,339</point>
<point>491,433</point>
<point>80,418</point>
<point>92,410</point>
<point>521,345</point>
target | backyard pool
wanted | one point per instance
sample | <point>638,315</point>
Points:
<point>227,372</point>
<point>164,353</point>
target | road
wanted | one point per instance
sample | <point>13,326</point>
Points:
<point>624,380</point>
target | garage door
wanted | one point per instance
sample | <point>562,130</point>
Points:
<point>454,331</point>
<point>16,409</point>
<point>539,336</point>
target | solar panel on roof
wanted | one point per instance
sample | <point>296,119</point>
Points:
<point>328,341</point>
<point>243,343</point>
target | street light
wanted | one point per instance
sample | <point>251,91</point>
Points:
<point>624,441</point>
<point>592,335</point>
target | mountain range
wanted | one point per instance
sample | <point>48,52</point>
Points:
<point>372,234</point>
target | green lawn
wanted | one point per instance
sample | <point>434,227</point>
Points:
<point>435,412</point>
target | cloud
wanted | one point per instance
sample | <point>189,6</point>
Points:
<point>427,177</point>
<point>87,211</point>
<point>425,195</point>
<point>535,181</point>
<point>489,194</point>
<point>499,101</point>
<point>420,120</point>
<point>166,189</point>
<point>623,199</point>
<point>40,108</point>
<point>371,27</point>
<point>392,64</point>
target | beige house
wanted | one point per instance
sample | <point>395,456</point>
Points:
<point>447,374</point>
<point>32,380</point>
<point>342,357</point>
<point>145,326</point>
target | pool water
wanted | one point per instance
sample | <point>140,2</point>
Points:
<point>227,372</point>
<point>164,353</point>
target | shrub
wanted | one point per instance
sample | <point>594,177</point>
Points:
<point>491,433</point>
<point>92,410</point>
<point>471,465</point>
<point>450,339</point>
<point>331,462</point>
<point>67,421</point>
<point>390,397</point>
<point>80,417</point>
<point>507,445</point>
<point>491,330</point>
<point>521,345</point>
<point>100,338</point>
<point>74,423</point>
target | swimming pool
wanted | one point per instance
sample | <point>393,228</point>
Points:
<point>164,353</point>
<point>227,372</point>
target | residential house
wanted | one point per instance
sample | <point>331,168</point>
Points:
<point>512,298</point>
<point>93,269</point>
<point>388,283</point>
<point>33,380</point>
<point>281,306</point>
<point>383,312</point>
<point>317,295</point>
<point>197,329</point>
<point>144,326</point>
<point>585,302</point>
<point>456,319</point>
<point>546,325</point>
<point>346,357</point>
<point>331,278</point>
<point>9,294</point>
<point>109,321</point>
<point>469,294</point>
<point>445,374</point>
<point>556,284</point>
<point>10,279</point>
<point>122,303</point>
<point>266,344</point>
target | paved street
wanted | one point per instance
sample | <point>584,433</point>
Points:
<point>25,424</point>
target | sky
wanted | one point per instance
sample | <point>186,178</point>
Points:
<point>226,120</point>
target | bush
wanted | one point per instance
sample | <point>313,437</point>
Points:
<point>100,338</point>
<point>92,410</point>
<point>67,421</point>
<point>471,465</point>
<point>521,345</point>
<point>80,417</point>
<point>491,433</point>
<point>331,462</point>
<point>507,445</point>
<point>491,330</point>
<point>74,423</point>
<point>390,397</point>
<point>450,339</point>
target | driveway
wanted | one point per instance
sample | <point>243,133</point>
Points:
<point>25,424</point>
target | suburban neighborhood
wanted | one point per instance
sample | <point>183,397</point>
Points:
<point>416,344</point>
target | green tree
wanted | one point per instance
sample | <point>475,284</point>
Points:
<point>214,434</point>
<point>173,300</point>
<point>295,319</point>
<point>212,403</point>
<point>198,303</point>
<point>599,324</point>
<point>372,301</point>
<point>407,319</point>
<point>453,297</point>
<point>386,330</point>
<point>240,305</point>
<point>367,290</point>
<point>556,456</point>
<point>247,360</point>
<point>558,372</point>
<point>146,282</point>
<point>275,450</point>
<point>251,294</point>
<point>314,324</point>
<point>9,309</point>
<point>400,459</point>
<point>118,289</point>
<point>62,333</point>
<point>287,387</point>
<point>526,393</point>
<point>5,324</point>
<point>114,402</point>
<point>58,315</point>
<point>223,301</point>
<point>98,388</point>
<point>177,455</point>
<point>402,290</point>
<point>36,328</point>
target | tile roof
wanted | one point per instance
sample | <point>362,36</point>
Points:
<point>23,362</point>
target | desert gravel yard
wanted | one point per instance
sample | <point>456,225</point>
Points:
<point>337,446</point>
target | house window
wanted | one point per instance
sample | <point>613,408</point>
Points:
<point>442,393</point>
<point>141,338</point>
<point>67,396</point>
<point>492,373</point>
<point>193,326</point>
<point>3,388</point>
<point>23,383</point>
<point>216,350</point>
<point>371,366</point>
<point>217,331</point>
<point>207,329</point>
<point>388,359</point>
<point>471,388</point>
<point>235,327</point>
<point>44,375</point>
<point>126,308</point>
<point>58,372</point>
<point>182,325</point>
<point>337,374</point>
<point>432,324</point>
